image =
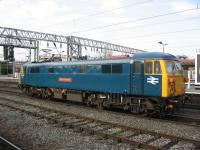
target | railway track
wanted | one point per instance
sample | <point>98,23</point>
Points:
<point>192,106</point>
<point>13,85</point>
<point>7,145</point>
<point>124,134</point>
<point>177,118</point>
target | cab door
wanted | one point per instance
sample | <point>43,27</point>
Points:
<point>137,77</point>
<point>152,78</point>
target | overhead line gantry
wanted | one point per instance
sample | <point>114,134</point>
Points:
<point>30,39</point>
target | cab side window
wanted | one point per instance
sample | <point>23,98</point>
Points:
<point>148,67</point>
<point>106,69</point>
<point>137,67</point>
<point>51,70</point>
<point>35,70</point>
<point>157,68</point>
<point>117,68</point>
<point>81,69</point>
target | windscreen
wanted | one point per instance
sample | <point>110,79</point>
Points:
<point>174,67</point>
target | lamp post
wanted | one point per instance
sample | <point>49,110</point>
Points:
<point>163,45</point>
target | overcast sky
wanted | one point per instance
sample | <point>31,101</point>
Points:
<point>88,18</point>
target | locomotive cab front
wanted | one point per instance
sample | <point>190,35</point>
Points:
<point>164,79</point>
<point>173,87</point>
<point>173,79</point>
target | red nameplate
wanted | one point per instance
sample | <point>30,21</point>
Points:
<point>65,79</point>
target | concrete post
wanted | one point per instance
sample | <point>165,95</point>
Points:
<point>37,51</point>
<point>34,56</point>
<point>29,55</point>
<point>14,66</point>
<point>188,86</point>
<point>69,52</point>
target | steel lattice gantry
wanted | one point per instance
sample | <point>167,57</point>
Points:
<point>17,43</point>
<point>10,43</point>
<point>74,44</point>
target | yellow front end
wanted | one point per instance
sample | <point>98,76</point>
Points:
<point>173,81</point>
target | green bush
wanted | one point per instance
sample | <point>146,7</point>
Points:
<point>5,68</point>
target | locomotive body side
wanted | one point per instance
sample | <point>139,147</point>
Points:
<point>147,83</point>
<point>81,76</point>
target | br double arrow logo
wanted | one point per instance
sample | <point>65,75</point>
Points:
<point>152,80</point>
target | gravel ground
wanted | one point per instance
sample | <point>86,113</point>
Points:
<point>144,123</point>
<point>37,134</point>
<point>183,146</point>
<point>142,138</point>
<point>160,142</point>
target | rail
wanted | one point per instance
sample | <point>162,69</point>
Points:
<point>183,119</point>
<point>7,145</point>
<point>117,132</point>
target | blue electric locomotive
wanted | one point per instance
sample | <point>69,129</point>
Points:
<point>147,82</point>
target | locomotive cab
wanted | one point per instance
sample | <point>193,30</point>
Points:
<point>173,79</point>
<point>163,78</point>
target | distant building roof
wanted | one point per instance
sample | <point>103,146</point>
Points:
<point>118,56</point>
<point>187,63</point>
<point>187,60</point>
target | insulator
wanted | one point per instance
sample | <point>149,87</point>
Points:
<point>54,44</point>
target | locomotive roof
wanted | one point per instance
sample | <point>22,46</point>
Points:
<point>82,62</point>
<point>137,56</point>
<point>153,55</point>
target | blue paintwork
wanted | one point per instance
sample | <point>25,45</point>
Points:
<point>153,55</point>
<point>138,80</point>
<point>112,83</point>
<point>152,89</point>
<point>96,81</point>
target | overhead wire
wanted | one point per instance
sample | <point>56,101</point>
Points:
<point>175,47</point>
<point>162,33</point>
<point>137,20</point>
<point>152,24</point>
<point>99,13</point>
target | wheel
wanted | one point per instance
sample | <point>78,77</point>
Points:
<point>44,94</point>
<point>23,91</point>
<point>64,97</point>
<point>159,112</point>
<point>100,106</point>
<point>88,103</point>
<point>135,109</point>
<point>29,91</point>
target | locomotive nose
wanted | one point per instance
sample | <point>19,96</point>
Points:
<point>176,85</point>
